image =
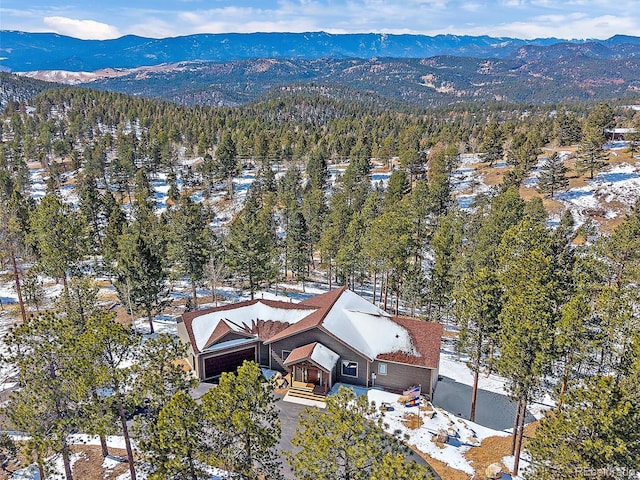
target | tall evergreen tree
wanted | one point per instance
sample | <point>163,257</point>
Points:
<point>226,161</point>
<point>244,423</point>
<point>591,156</point>
<point>527,317</point>
<point>553,175</point>
<point>110,347</point>
<point>251,246</point>
<point>177,446</point>
<point>398,188</point>
<point>140,274</point>
<point>477,306</point>
<point>59,237</point>
<point>45,352</point>
<point>189,247</point>
<point>592,434</point>
<point>298,246</point>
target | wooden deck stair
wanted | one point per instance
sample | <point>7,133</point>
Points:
<point>306,391</point>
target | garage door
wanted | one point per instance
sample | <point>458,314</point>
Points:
<point>227,362</point>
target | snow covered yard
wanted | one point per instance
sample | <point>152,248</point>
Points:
<point>462,434</point>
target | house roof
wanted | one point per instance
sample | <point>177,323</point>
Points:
<point>340,313</point>
<point>426,336</point>
<point>317,353</point>
<point>259,317</point>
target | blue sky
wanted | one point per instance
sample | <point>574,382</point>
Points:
<point>164,18</point>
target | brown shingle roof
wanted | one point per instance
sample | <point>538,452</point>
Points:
<point>426,337</point>
<point>322,302</point>
<point>220,331</point>
<point>300,353</point>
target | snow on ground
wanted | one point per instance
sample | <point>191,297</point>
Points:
<point>37,183</point>
<point>525,462</point>
<point>465,179</point>
<point>463,434</point>
<point>620,183</point>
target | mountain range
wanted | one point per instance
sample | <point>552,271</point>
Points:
<point>232,69</point>
<point>24,51</point>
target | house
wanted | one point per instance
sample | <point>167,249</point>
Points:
<point>334,337</point>
<point>612,134</point>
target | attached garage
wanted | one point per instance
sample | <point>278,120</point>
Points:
<point>228,361</point>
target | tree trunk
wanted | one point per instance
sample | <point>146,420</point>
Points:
<point>397,307</point>
<point>150,320</point>
<point>386,289</point>
<point>375,282</point>
<point>66,461</point>
<point>329,274</point>
<point>16,278</point>
<point>41,470</point>
<point>516,460</point>
<point>104,446</point>
<point>103,439</point>
<point>194,291</point>
<point>516,423</point>
<point>565,381</point>
<point>476,374</point>
<point>125,434</point>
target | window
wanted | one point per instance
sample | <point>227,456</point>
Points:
<point>285,354</point>
<point>382,369</point>
<point>349,368</point>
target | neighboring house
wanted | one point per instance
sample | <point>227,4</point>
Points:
<point>620,133</point>
<point>334,337</point>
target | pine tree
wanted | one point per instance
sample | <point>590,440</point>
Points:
<point>398,188</point>
<point>244,423</point>
<point>91,206</point>
<point>527,317</point>
<point>592,433</point>
<point>59,237</point>
<point>158,375</point>
<point>396,467</point>
<point>345,441</point>
<point>492,143</point>
<point>45,352</point>
<point>189,247</point>
<point>446,245</point>
<point>298,246</point>
<point>317,171</point>
<point>250,246</point>
<point>553,175</point>
<point>177,446</point>
<point>477,306</point>
<point>226,162</point>
<point>439,183</point>
<point>140,274</point>
<point>591,156</point>
<point>110,346</point>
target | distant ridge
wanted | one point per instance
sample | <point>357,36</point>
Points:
<point>23,51</point>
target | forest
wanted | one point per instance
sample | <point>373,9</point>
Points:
<point>550,306</point>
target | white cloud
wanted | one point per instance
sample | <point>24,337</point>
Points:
<point>85,29</point>
<point>559,26</point>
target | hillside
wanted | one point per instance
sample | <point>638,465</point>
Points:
<point>528,78</point>
<point>420,71</point>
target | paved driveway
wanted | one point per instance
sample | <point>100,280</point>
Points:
<point>492,409</point>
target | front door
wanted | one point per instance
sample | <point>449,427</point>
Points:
<point>312,375</point>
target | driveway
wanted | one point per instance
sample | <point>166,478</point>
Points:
<point>493,410</point>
